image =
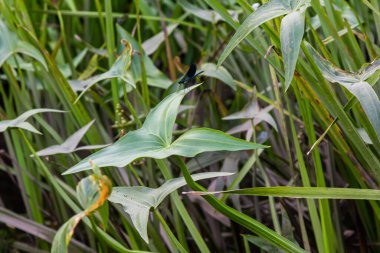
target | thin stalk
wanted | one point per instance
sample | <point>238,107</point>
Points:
<point>111,58</point>
<point>144,82</point>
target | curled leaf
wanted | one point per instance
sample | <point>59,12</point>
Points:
<point>154,76</point>
<point>92,192</point>
<point>119,69</point>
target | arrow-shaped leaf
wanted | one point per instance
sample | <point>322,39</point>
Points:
<point>19,122</point>
<point>354,83</point>
<point>10,44</point>
<point>154,139</point>
<point>255,113</point>
<point>138,200</point>
<point>70,144</point>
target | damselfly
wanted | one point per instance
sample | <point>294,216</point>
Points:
<point>190,74</point>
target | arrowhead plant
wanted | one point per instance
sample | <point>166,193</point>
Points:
<point>155,140</point>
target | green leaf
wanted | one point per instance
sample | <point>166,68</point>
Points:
<point>268,11</point>
<point>10,44</point>
<point>154,139</point>
<point>304,192</point>
<point>138,200</point>
<point>221,73</point>
<point>19,122</point>
<point>199,140</point>
<point>354,83</point>
<point>119,69</point>
<point>291,33</point>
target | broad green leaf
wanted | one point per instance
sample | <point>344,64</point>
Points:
<point>268,11</point>
<point>152,44</point>
<point>138,200</point>
<point>92,192</point>
<point>119,69</point>
<point>199,140</point>
<point>221,73</point>
<point>154,76</point>
<point>354,83</point>
<point>10,44</point>
<point>19,122</point>
<point>154,139</point>
<point>291,33</point>
<point>70,144</point>
<point>304,192</point>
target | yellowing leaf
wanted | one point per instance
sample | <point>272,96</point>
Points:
<point>92,192</point>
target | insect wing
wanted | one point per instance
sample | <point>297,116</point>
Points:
<point>191,72</point>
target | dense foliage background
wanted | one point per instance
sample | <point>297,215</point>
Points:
<point>298,76</point>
